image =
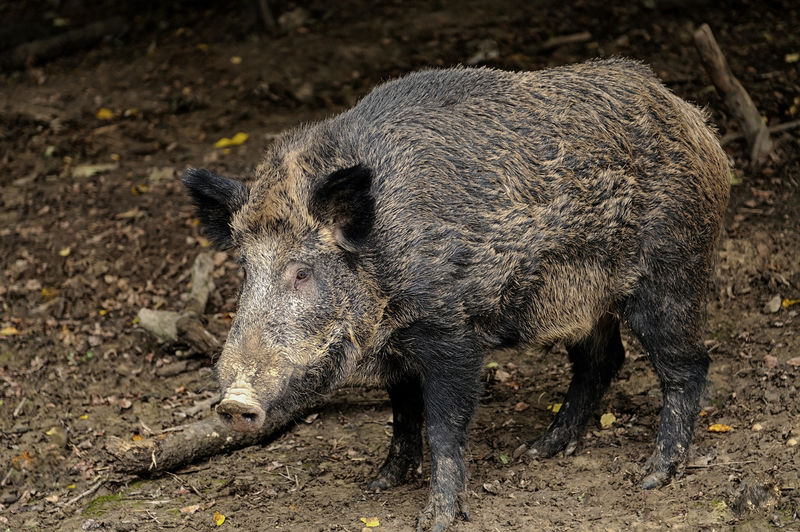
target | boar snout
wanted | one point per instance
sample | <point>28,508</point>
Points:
<point>240,411</point>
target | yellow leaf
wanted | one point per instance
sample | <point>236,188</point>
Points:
<point>792,58</point>
<point>115,157</point>
<point>8,331</point>
<point>102,312</point>
<point>555,407</point>
<point>85,416</point>
<point>104,113</point>
<point>236,60</point>
<point>137,437</point>
<point>237,140</point>
<point>786,303</point>
<point>49,292</point>
<point>370,522</point>
<point>71,487</point>
<point>719,427</point>
<point>64,251</point>
<point>608,419</point>
<point>203,47</point>
<point>219,518</point>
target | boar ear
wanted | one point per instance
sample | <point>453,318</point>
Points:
<point>215,198</point>
<point>343,199</point>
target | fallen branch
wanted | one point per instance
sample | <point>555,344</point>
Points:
<point>185,327</point>
<point>777,128</point>
<point>736,98</point>
<point>185,444</point>
<point>29,53</point>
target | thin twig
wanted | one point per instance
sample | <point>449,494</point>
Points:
<point>93,488</point>
<point>777,128</point>
<point>185,483</point>
<point>699,466</point>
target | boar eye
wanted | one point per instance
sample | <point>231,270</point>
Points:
<point>301,276</point>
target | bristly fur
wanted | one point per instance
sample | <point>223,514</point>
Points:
<point>453,211</point>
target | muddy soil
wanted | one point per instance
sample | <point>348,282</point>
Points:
<point>94,226</point>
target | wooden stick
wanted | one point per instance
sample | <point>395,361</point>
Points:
<point>777,128</point>
<point>189,443</point>
<point>736,98</point>
<point>28,53</point>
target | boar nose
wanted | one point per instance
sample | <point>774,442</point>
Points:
<point>244,416</point>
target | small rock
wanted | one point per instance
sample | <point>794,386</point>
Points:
<point>757,427</point>
<point>492,487</point>
<point>773,305</point>
<point>305,94</point>
<point>293,19</point>
<point>770,361</point>
<point>175,368</point>
<point>791,442</point>
<point>487,50</point>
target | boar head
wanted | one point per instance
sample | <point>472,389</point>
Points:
<point>308,308</point>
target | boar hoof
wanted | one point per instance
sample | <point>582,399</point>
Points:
<point>437,519</point>
<point>547,445</point>
<point>655,480</point>
<point>382,483</point>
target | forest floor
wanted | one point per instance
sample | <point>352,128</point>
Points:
<point>94,225</point>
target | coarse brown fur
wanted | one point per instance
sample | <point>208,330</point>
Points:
<point>454,211</point>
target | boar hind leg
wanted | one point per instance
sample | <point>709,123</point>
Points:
<point>668,328</point>
<point>405,451</point>
<point>595,361</point>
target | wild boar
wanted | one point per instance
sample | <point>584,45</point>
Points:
<point>454,211</point>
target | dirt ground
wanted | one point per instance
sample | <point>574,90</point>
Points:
<point>94,225</point>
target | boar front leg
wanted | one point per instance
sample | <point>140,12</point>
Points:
<point>450,390</point>
<point>405,451</point>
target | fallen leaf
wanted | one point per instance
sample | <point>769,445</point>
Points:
<point>8,331</point>
<point>124,404</point>
<point>136,437</point>
<point>219,518</point>
<point>504,458</point>
<point>85,416</point>
<point>492,365</point>
<point>52,499</point>
<point>786,303</point>
<point>236,60</point>
<point>792,58</point>
<point>719,427</point>
<point>770,361</point>
<point>49,292</point>
<point>190,509</point>
<point>22,461</point>
<point>370,522</point>
<point>794,362</point>
<point>555,407</point>
<point>608,419</point>
<point>64,251</point>
<point>104,113</point>
<point>88,170</point>
<point>519,407</point>
<point>237,140</point>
